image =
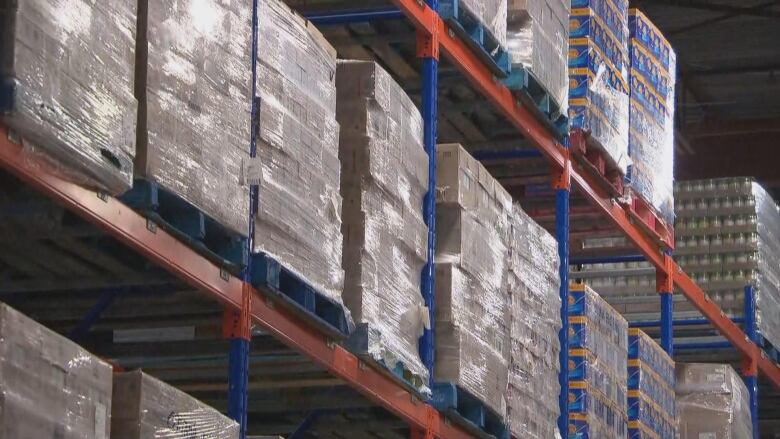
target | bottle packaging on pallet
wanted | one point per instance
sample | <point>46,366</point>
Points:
<point>472,304</point>
<point>651,409</point>
<point>145,407</point>
<point>535,303</point>
<point>598,76</point>
<point>712,402</point>
<point>538,40</point>
<point>51,387</point>
<point>193,84</point>
<point>651,114</point>
<point>299,211</point>
<point>66,85</point>
<point>598,367</point>
<point>384,176</point>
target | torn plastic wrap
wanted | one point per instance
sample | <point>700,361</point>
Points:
<point>534,294</point>
<point>145,407</point>
<point>193,86</point>
<point>727,237</point>
<point>598,76</point>
<point>712,402</point>
<point>66,86</point>
<point>598,366</point>
<point>651,395</point>
<point>384,176</point>
<point>538,40</point>
<point>491,13</point>
<point>51,387</point>
<point>651,118</point>
<point>299,212</point>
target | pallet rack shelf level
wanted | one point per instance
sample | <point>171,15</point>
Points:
<point>158,246</point>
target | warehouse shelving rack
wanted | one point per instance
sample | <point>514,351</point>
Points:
<point>245,304</point>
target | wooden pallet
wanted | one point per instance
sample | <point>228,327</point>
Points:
<point>526,87</point>
<point>465,409</point>
<point>289,289</point>
<point>182,219</point>
<point>478,36</point>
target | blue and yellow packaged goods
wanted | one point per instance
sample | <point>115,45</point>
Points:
<point>651,115</point>
<point>598,76</point>
<point>598,367</point>
<point>651,409</point>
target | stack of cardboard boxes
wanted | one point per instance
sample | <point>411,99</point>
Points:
<point>472,305</point>
<point>651,115</point>
<point>651,409</point>
<point>598,367</point>
<point>66,85</point>
<point>384,176</point>
<point>538,40</point>
<point>598,75</point>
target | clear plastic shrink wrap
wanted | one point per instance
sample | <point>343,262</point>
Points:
<point>651,409</point>
<point>66,85</point>
<point>491,13</point>
<point>472,305</point>
<point>534,294</point>
<point>598,76</point>
<point>193,85</point>
<point>727,237</point>
<point>712,402</point>
<point>299,213</point>
<point>538,39</point>
<point>598,366</point>
<point>145,407</point>
<point>384,176</point>
<point>651,114</point>
<point>51,387</point>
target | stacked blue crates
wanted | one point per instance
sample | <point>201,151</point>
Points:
<point>651,115</point>
<point>598,75</point>
<point>651,410</point>
<point>598,367</point>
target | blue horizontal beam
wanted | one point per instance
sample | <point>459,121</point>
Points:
<point>508,154</point>
<point>355,16</point>
<point>703,345</point>
<point>606,259</point>
<point>680,322</point>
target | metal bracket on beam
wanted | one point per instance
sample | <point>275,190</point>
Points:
<point>428,44</point>
<point>561,178</point>
<point>237,323</point>
<point>664,278</point>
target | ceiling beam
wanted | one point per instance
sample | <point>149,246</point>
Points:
<point>753,10</point>
<point>728,128</point>
<point>736,69</point>
<point>714,7</point>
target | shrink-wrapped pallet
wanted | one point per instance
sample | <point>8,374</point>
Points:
<point>299,210</point>
<point>66,85</point>
<point>51,387</point>
<point>145,407</point>
<point>472,304</point>
<point>384,176</point>
<point>651,409</point>
<point>534,293</point>
<point>193,84</point>
<point>491,14</point>
<point>538,40</point>
<point>712,402</point>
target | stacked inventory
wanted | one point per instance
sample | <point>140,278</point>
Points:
<point>534,292</point>
<point>472,225</point>
<point>712,402</point>
<point>299,211</point>
<point>144,407</point>
<point>51,387</point>
<point>598,75</point>
<point>491,14</point>
<point>598,367</point>
<point>193,84</point>
<point>384,177</point>
<point>651,114</point>
<point>66,85</point>
<point>538,40</point>
<point>728,236</point>
<point>651,410</point>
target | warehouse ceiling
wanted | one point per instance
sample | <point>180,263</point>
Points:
<point>728,106</point>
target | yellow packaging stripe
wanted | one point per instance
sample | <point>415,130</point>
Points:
<point>636,74</point>
<point>658,408</point>
<point>578,417</point>
<point>594,46</point>
<point>650,55</point>
<point>592,14</point>
<point>578,319</point>
<point>640,426</point>
<point>636,12</point>
<point>577,286</point>
<point>649,370</point>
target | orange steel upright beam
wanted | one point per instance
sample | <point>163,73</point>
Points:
<point>134,230</point>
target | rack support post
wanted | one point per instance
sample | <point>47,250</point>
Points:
<point>750,365</point>
<point>664,281</point>
<point>562,185</point>
<point>428,51</point>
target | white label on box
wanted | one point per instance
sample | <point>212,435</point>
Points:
<point>100,421</point>
<point>715,378</point>
<point>251,171</point>
<point>710,435</point>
